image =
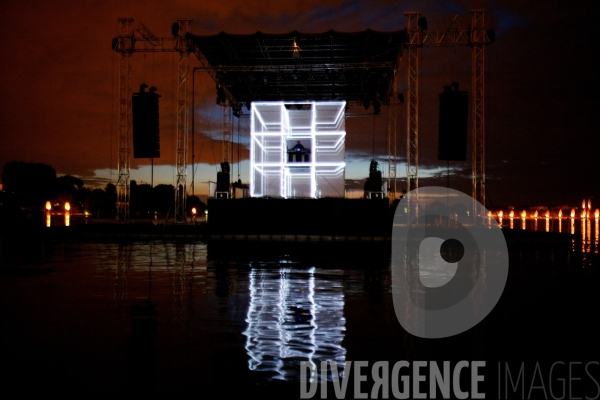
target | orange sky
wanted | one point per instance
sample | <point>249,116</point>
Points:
<point>59,78</point>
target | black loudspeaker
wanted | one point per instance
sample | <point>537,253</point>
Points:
<point>146,131</point>
<point>222,181</point>
<point>454,109</point>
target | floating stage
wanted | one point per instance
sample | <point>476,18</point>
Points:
<point>307,218</point>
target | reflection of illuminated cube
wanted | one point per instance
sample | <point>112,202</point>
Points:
<point>280,169</point>
<point>293,317</point>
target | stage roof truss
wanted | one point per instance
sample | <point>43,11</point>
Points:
<point>355,67</point>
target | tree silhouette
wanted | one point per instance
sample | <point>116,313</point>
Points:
<point>29,184</point>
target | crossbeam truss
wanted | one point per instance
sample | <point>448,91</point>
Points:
<point>138,38</point>
<point>476,37</point>
<point>127,43</point>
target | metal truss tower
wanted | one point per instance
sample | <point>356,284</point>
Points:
<point>414,42</point>
<point>183,47</point>
<point>392,148</point>
<point>478,39</point>
<point>126,42</point>
<point>475,36</point>
<point>226,137</point>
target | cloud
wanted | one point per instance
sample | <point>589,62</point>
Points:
<point>59,83</point>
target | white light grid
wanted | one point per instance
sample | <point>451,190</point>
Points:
<point>275,127</point>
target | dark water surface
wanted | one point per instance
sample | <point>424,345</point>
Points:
<point>156,319</point>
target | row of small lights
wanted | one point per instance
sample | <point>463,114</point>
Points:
<point>68,208</point>
<point>585,214</point>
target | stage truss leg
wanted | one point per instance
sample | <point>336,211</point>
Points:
<point>479,39</point>
<point>226,137</point>
<point>182,121</point>
<point>126,46</point>
<point>392,148</point>
<point>412,120</point>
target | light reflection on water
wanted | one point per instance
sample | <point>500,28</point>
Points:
<point>159,312</point>
<point>289,313</point>
<point>588,228</point>
<point>293,317</point>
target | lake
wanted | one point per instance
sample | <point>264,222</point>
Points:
<point>162,318</point>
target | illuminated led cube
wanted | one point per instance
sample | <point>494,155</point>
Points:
<point>297,149</point>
